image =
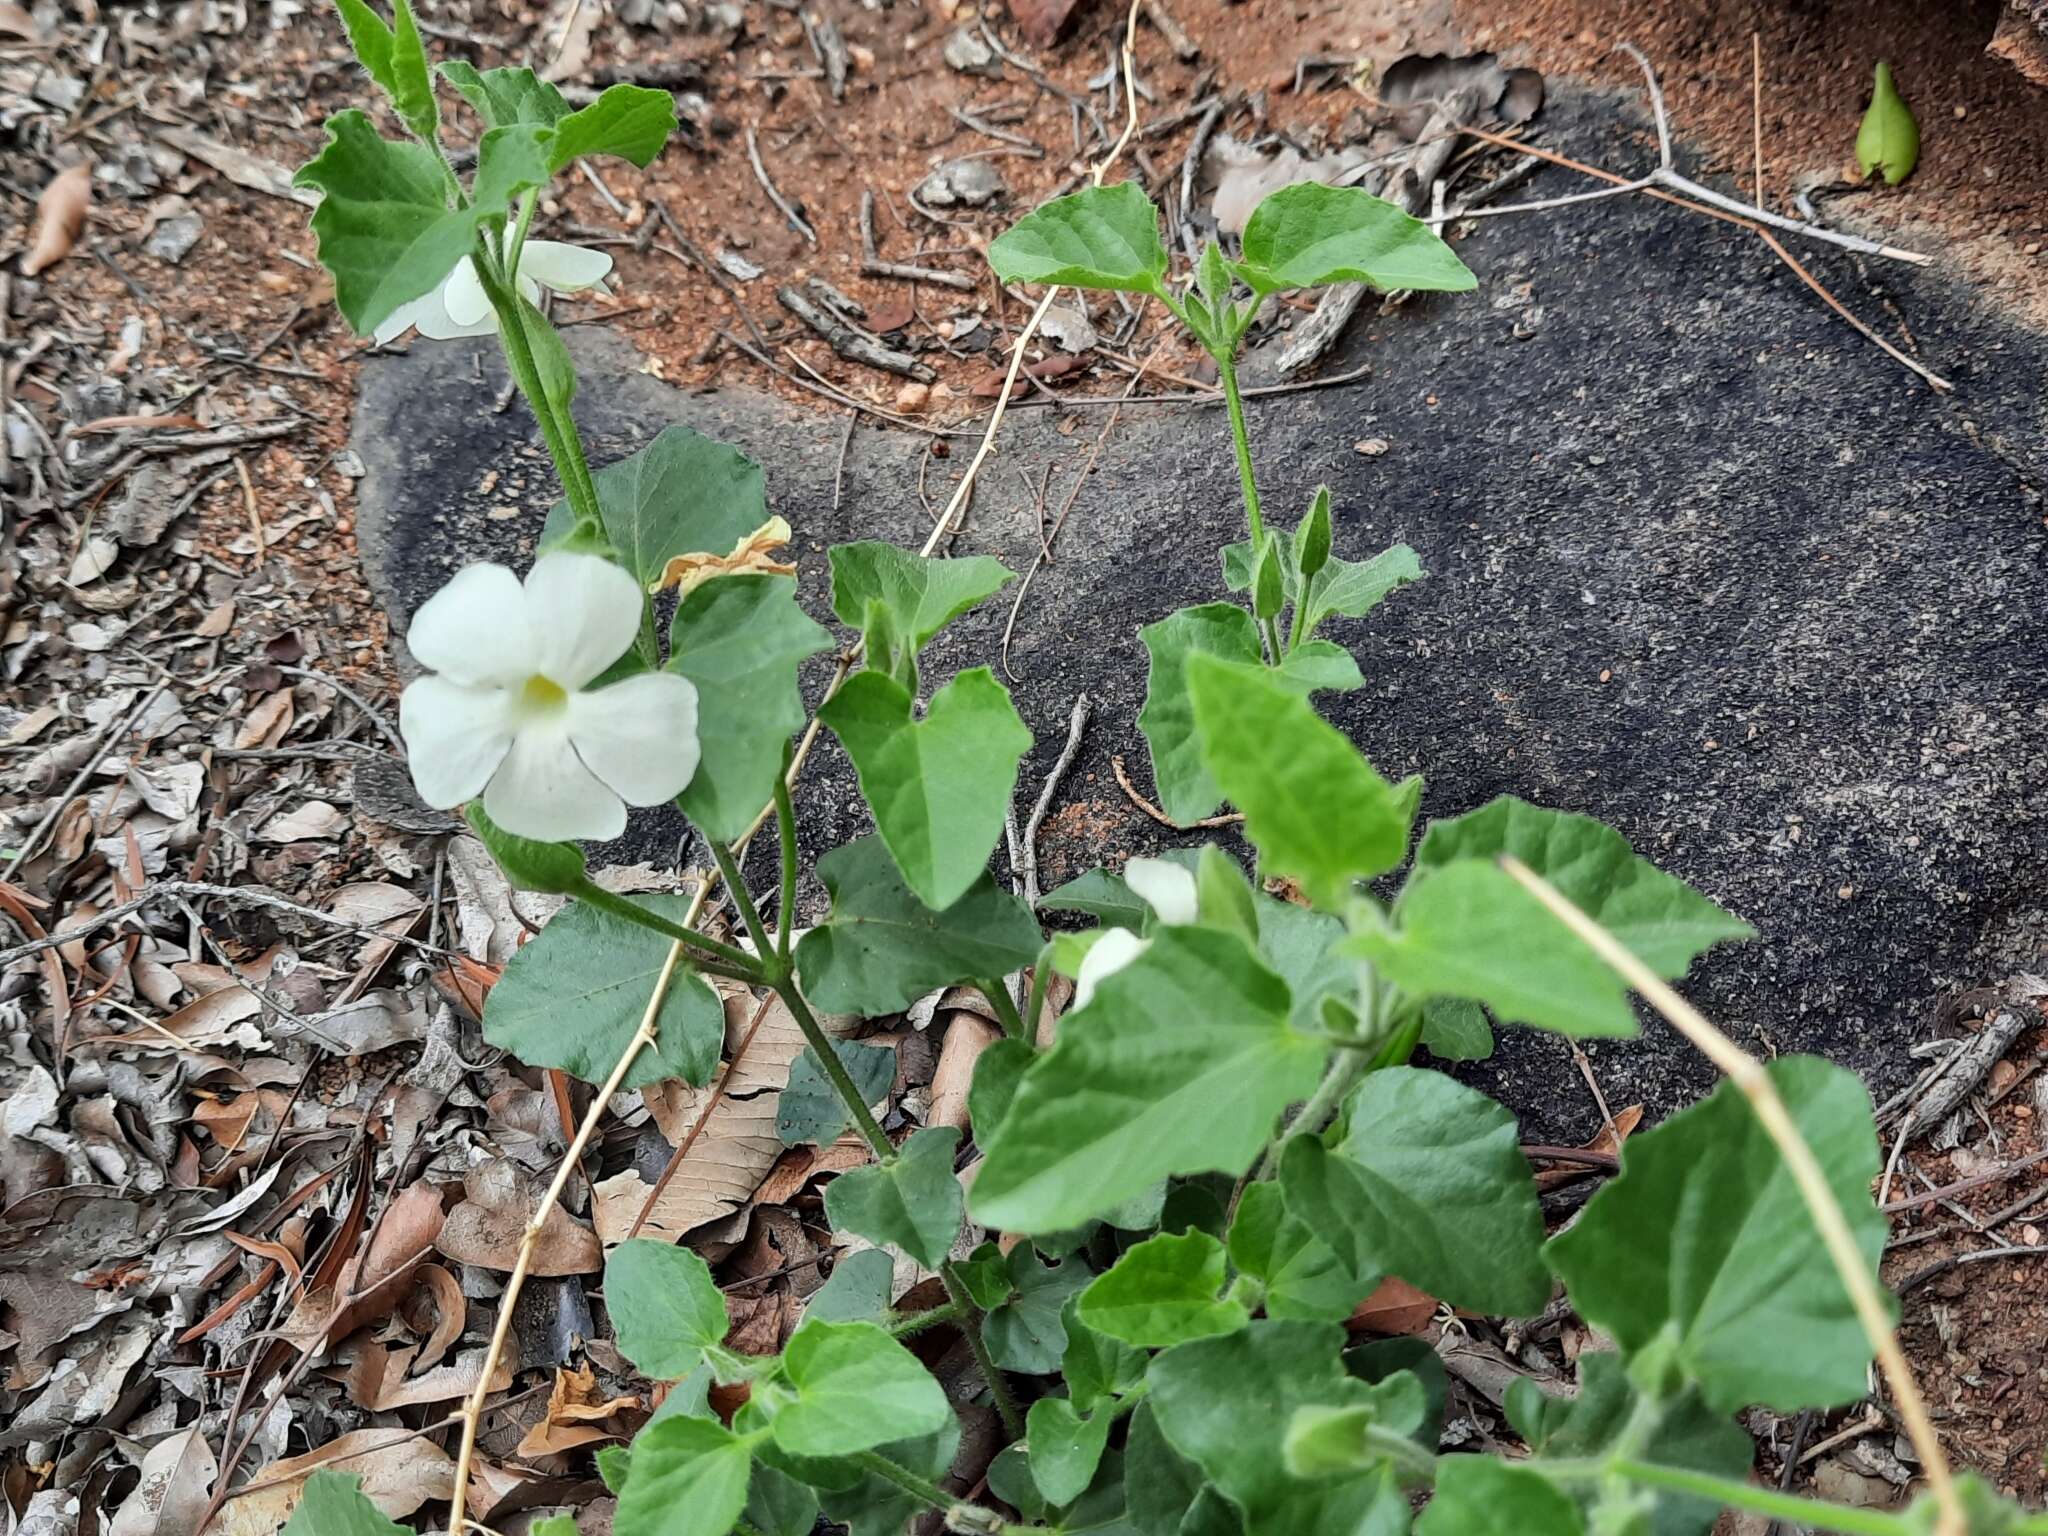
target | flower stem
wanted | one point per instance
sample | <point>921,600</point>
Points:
<point>902,1324</point>
<point>729,871</point>
<point>1005,1006</point>
<point>970,1328</point>
<point>710,955</point>
<point>557,428</point>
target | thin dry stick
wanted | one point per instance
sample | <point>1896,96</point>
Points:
<point>1756,110</point>
<point>1755,1085</point>
<point>529,1240</point>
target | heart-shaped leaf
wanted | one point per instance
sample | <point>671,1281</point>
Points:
<point>1100,237</point>
<point>1308,234</point>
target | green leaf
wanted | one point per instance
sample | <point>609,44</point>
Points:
<point>1455,1029</point>
<point>553,869</point>
<point>1187,790</point>
<point>922,596</point>
<point>1466,929</point>
<point>1310,550</point>
<point>333,1504</point>
<point>1223,897</point>
<point>1320,666</point>
<point>1101,237</point>
<point>565,1525</point>
<point>1065,1446</point>
<point>940,786</point>
<point>1181,1063</point>
<point>914,1202</point>
<point>370,37</point>
<point>666,1309</point>
<point>1353,588</point>
<point>687,1477</point>
<point>1165,1291</point>
<point>1307,235</point>
<point>1480,1496</point>
<point>1025,1331</point>
<point>386,231</point>
<point>1429,1184</point>
<point>556,369</point>
<point>811,1110</point>
<point>741,640</point>
<point>1269,581</point>
<point>412,84</point>
<point>1097,1368</point>
<point>1688,1435</point>
<point>856,1388</point>
<point>1302,946</point>
<point>997,1073</point>
<point>1660,918</point>
<point>872,1506</point>
<point>1302,1275</point>
<point>630,121</point>
<point>1325,1442</point>
<point>506,96</point>
<point>857,1290</point>
<point>1314,807</point>
<point>883,949</point>
<point>682,494</point>
<point>598,971</point>
<point>1379,1359</point>
<point>509,161</point>
<point>1889,140</point>
<point>779,1505</point>
<point>1705,1234</point>
<point>1160,1484</point>
<point>1226,1403</point>
<point>1102,896</point>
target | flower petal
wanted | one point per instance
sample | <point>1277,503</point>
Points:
<point>1117,948</point>
<point>464,295</point>
<point>639,735</point>
<point>542,790</point>
<point>455,737</point>
<point>405,317</point>
<point>1167,888</point>
<point>584,613</point>
<point>475,629</point>
<point>564,268</point>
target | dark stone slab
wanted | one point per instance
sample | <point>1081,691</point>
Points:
<point>1703,564</point>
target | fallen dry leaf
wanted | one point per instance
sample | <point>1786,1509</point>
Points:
<point>728,1162</point>
<point>450,1308</point>
<point>400,1471</point>
<point>171,1499</point>
<point>574,1416</point>
<point>755,553</point>
<point>485,1229</point>
<point>1395,1306</point>
<point>381,1379</point>
<point>60,218</point>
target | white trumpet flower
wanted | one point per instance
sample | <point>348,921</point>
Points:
<point>460,307</point>
<point>1168,890</point>
<point>507,712</point>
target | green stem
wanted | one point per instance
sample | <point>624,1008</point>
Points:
<point>835,1071</point>
<point>557,429</point>
<point>710,955</point>
<point>924,1488</point>
<point>1346,1068</point>
<point>1226,371</point>
<point>1005,1006</point>
<point>903,1324</point>
<point>1034,1008</point>
<point>729,871</point>
<point>785,827</point>
<point>970,1328</point>
<point>1765,1501</point>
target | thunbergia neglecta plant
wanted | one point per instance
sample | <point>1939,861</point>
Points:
<point>1229,1144</point>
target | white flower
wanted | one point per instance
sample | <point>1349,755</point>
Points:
<point>508,716</point>
<point>1168,890</point>
<point>459,306</point>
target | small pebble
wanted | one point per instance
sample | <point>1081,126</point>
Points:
<point>1372,447</point>
<point>912,398</point>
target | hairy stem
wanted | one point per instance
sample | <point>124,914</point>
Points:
<point>835,1072</point>
<point>1240,440</point>
<point>970,1328</point>
<point>785,901</point>
<point>709,954</point>
<point>1817,1513</point>
<point>1034,1006</point>
<point>903,1324</point>
<point>888,1471</point>
<point>557,429</point>
<point>1005,1006</point>
<point>729,871</point>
